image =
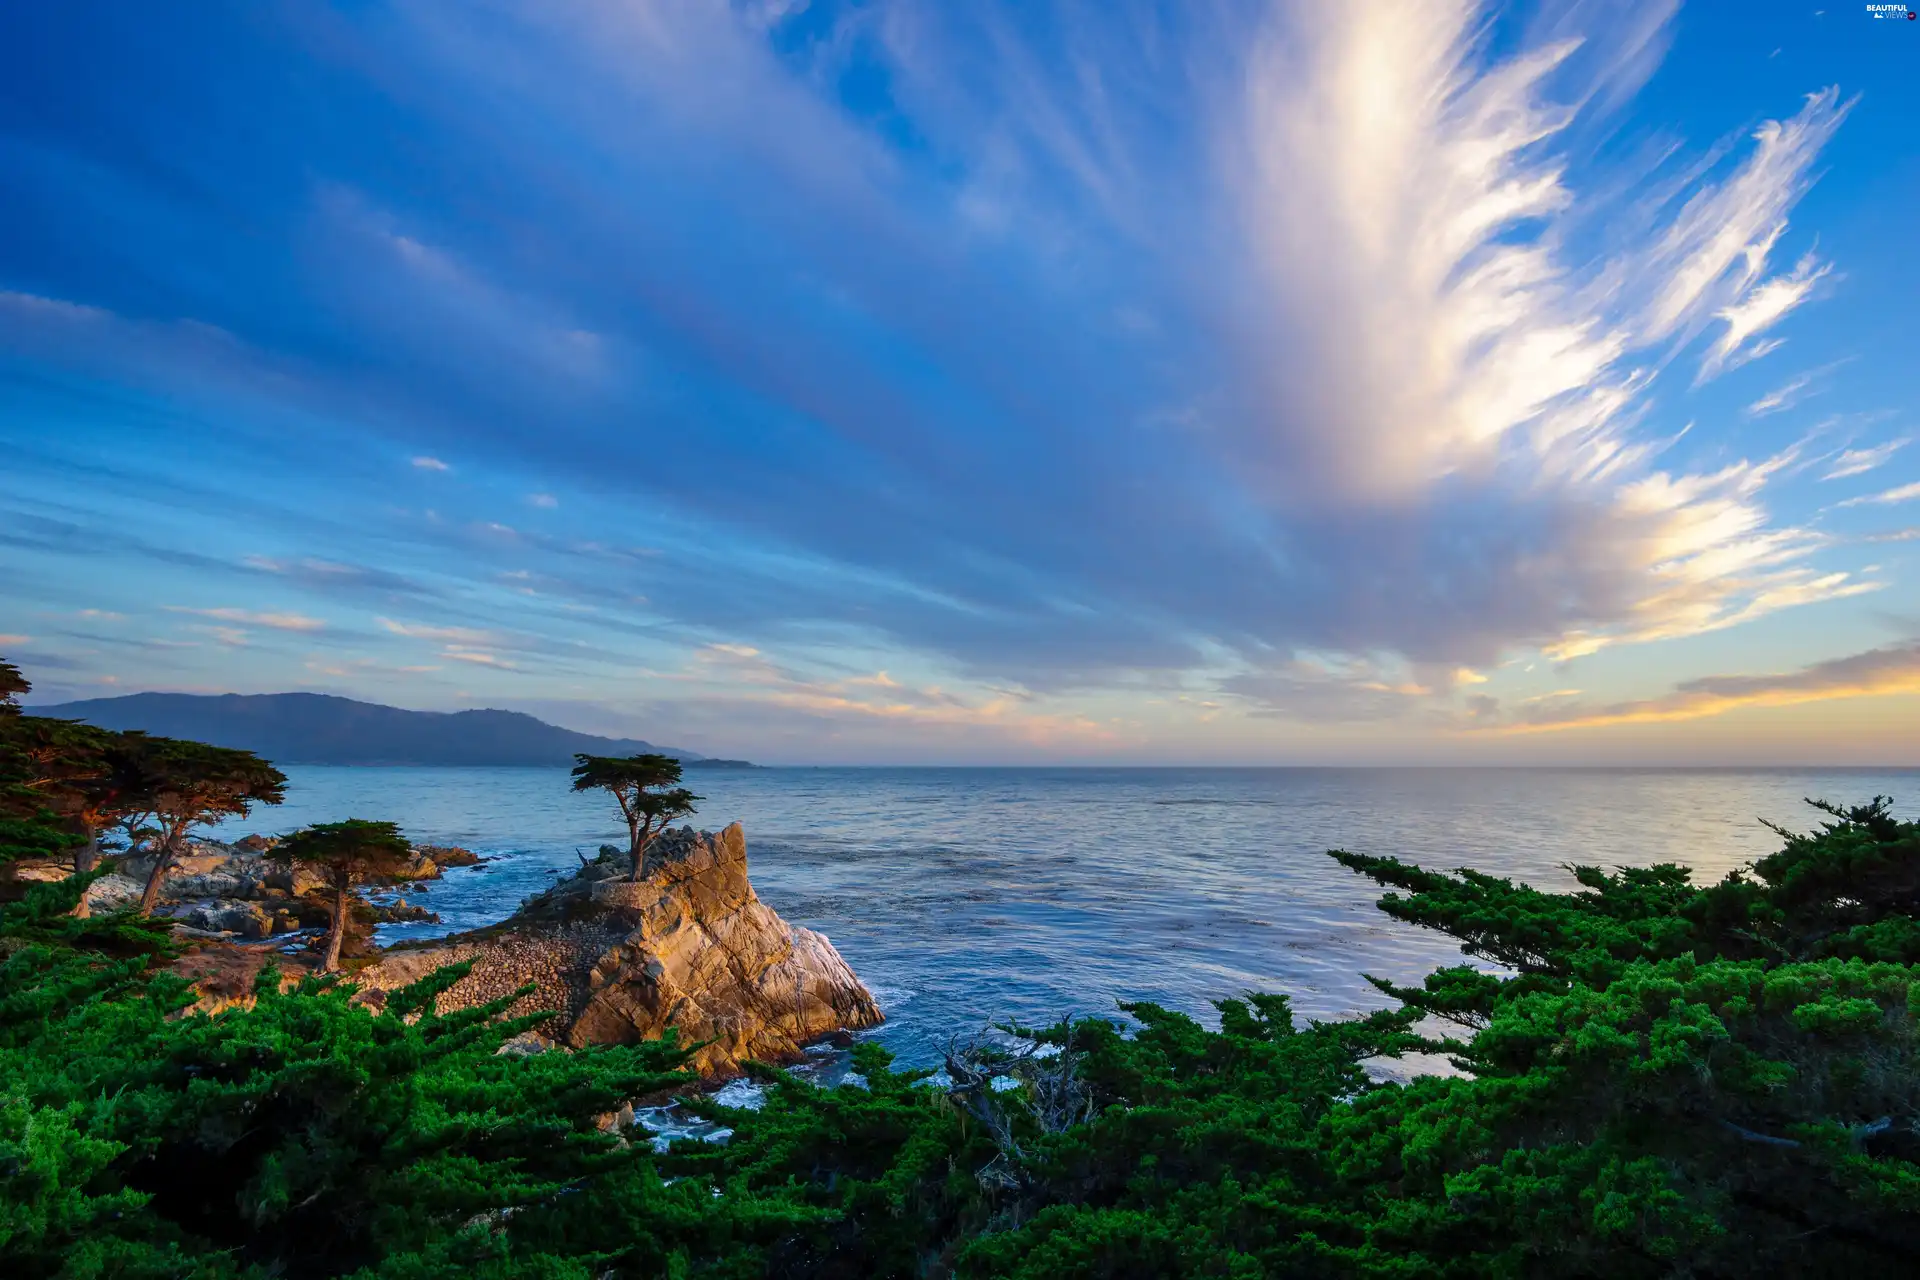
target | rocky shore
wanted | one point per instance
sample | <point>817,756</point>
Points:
<point>235,908</point>
<point>236,892</point>
<point>690,946</point>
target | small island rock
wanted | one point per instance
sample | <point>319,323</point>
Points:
<point>690,946</point>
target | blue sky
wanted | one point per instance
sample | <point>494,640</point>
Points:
<point>911,382</point>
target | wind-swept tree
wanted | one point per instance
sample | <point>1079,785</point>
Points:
<point>108,795</point>
<point>646,787</point>
<point>347,853</point>
<point>188,784</point>
<point>80,776</point>
<point>91,778</point>
<point>12,686</point>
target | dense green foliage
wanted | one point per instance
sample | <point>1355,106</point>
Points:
<point>1654,1078</point>
<point>303,1135</point>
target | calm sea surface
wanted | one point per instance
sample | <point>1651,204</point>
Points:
<point>967,895</point>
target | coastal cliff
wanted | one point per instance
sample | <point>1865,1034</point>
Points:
<point>688,946</point>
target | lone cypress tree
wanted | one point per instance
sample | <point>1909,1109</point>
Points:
<point>350,852</point>
<point>645,787</point>
<point>186,784</point>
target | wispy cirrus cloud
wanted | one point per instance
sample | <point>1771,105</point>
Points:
<point>478,657</point>
<point>336,578</point>
<point>1781,398</point>
<point>1759,309</point>
<point>1716,252</point>
<point>454,635</point>
<point>473,646</point>
<point>1854,462</point>
<point>273,621</point>
<point>742,682</point>
<point>1217,340</point>
<point>1900,493</point>
<point>231,637</point>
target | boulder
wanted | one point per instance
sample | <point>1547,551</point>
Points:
<point>31,871</point>
<point>113,892</point>
<point>292,879</point>
<point>198,858</point>
<point>228,915</point>
<point>448,855</point>
<point>689,947</point>
<point>208,870</point>
<point>525,1045</point>
<point>421,867</point>
<point>211,876</point>
<point>222,882</point>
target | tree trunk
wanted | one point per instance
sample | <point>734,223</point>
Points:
<point>162,861</point>
<point>85,859</point>
<point>337,934</point>
<point>640,842</point>
<point>636,851</point>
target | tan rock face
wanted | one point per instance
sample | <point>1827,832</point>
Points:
<point>690,947</point>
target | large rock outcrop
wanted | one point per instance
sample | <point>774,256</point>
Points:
<point>688,946</point>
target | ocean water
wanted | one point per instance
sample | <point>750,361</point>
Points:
<point>963,896</point>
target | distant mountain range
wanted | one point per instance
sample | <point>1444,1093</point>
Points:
<point>316,728</point>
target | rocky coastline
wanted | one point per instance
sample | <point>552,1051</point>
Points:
<point>688,947</point>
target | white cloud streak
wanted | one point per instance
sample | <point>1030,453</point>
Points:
<point>273,621</point>
<point>1854,462</point>
<point>1902,493</point>
<point>1781,398</point>
<point>479,658</point>
<point>1762,307</point>
<point>454,635</point>
<point>1715,253</point>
